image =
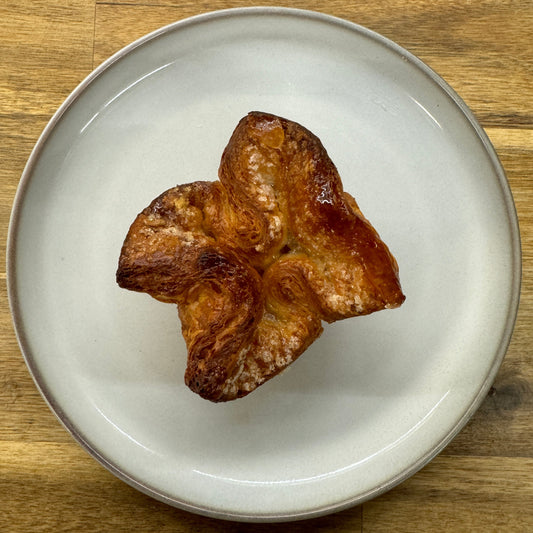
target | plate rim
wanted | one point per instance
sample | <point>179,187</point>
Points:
<point>26,176</point>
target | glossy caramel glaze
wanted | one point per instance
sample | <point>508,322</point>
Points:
<point>257,260</point>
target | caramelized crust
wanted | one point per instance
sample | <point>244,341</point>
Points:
<point>257,260</point>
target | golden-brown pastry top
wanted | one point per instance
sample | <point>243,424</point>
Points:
<point>256,260</point>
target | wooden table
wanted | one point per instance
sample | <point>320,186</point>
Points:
<point>483,481</point>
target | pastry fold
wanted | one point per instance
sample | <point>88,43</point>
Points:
<point>258,259</point>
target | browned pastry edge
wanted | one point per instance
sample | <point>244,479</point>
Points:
<point>257,260</point>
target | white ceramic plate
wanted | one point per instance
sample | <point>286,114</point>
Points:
<point>374,398</point>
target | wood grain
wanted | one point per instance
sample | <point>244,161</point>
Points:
<point>483,481</point>
<point>481,492</point>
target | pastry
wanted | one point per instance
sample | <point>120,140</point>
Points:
<point>257,260</point>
